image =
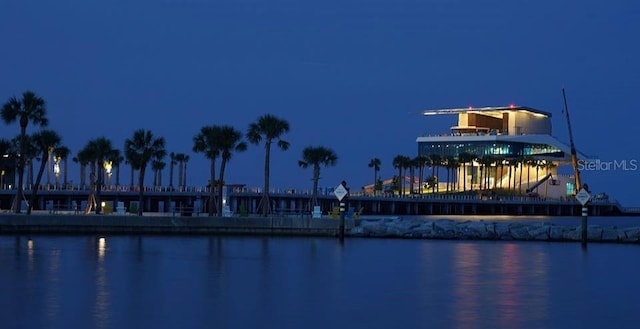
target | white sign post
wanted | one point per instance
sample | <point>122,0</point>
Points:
<point>583,197</point>
<point>340,192</point>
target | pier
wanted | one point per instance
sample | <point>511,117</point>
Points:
<point>288,203</point>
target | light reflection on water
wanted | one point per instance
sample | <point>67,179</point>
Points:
<point>270,282</point>
<point>101,308</point>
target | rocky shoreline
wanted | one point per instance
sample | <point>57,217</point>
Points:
<point>487,230</point>
<point>373,227</point>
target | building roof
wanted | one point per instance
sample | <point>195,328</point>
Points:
<point>492,110</point>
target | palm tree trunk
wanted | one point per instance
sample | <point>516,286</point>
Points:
<point>448,177</point>
<point>212,204</point>
<point>464,178</point>
<point>99,181</point>
<point>66,167</point>
<point>171,173</point>
<point>375,179</point>
<point>184,179</point>
<point>30,174</point>
<point>266,203</point>
<point>155,177</point>
<point>83,175</point>
<point>420,177</point>
<point>472,176</point>
<point>141,192</point>
<point>21,164</point>
<point>180,169</point>
<point>92,197</point>
<point>400,181</point>
<point>118,176</point>
<point>520,187</point>
<point>223,165</point>
<point>132,173</point>
<point>34,191</point>
<point>314,193</point>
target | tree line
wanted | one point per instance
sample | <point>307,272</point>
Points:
<point>217,143</point>
<point>486,164</point>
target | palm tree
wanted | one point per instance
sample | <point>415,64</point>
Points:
<point>184,172</point>
<point>30,108</point>
<point>157,166</point>
<point>117,159</point>
<point>412,163</point>
<point>315,157</point>
<point>424,161</point>
<point>101,151</point>
<point>269,128</point>
<point>82,158</point>
<point>139,150</point>
<point>375,164</point>
<point>450,164</point>
<point>180,159</point>
<point>61,153</point>
<point>401,162</point>
<point>44,141</point>
<point>131,173</point>
<point>172,162</point>
<point>229,141</point>
<point>206,142</point>
<point>436,161</point>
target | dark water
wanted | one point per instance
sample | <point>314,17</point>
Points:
<point>273,282</point>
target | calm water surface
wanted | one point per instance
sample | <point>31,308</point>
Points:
<point>276,282</point>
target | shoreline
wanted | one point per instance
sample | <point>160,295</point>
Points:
<point>366,227</point>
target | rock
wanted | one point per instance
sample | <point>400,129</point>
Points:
<point>573,234</point>
<point>519,232</point>
<point>539,233</point>
<point>556,233</point>
<point>632,234</point>
<point>594,233</point>
<point>425,230</point>
<point>502,231</point>
<point>610,234</point>
<point>444,229</point>
<point>472,230</point>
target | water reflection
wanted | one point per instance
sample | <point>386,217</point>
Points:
<point>514,280</point>
<point>245,282</point>
<point>52,298</point>
<point>466,285</point>
<point>101,309</point>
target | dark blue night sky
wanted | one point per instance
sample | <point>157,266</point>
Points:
<point>348,75</point>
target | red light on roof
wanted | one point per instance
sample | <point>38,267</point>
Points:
<point>512,106</point>
<point>470,107</point>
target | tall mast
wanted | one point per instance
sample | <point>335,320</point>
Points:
<point>574,156</point>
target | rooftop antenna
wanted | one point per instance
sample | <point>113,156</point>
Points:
<point>574,156</point>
